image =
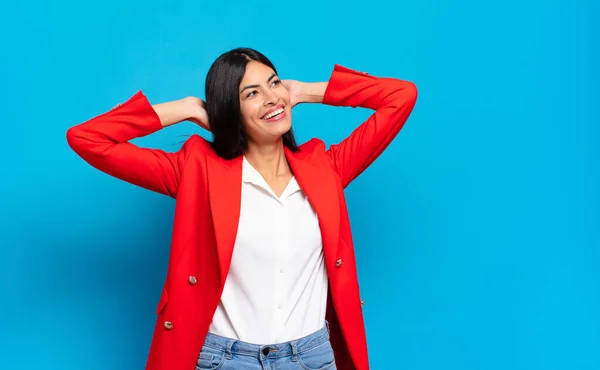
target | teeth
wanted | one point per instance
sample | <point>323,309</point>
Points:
<point>274,113</point>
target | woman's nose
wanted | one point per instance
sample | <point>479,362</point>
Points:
<point>270,98</point>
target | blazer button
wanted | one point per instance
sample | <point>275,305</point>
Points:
<point>192,280</point>
<point>362,303</point>
<point>338,263</point>
<point>168,325</point>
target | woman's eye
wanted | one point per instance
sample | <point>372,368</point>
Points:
<point>251,94</point>
<point>276,82</point>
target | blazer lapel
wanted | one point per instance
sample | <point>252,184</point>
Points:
<point>225,188</point>
<point>225,191</point>
<point>318,183</point>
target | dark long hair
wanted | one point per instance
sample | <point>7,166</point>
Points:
<point>230,139</point>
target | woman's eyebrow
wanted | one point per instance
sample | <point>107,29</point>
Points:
<point>254,86</point>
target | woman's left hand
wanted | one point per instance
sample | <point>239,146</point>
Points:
<point>305,92</point>
<point>294,88</point>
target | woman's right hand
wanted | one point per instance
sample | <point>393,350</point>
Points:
<point>198,113</point>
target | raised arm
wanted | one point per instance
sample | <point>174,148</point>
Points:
<point>392,99</point>
<point>103,142</point>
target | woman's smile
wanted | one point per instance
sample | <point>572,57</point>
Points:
<point>275,114</point>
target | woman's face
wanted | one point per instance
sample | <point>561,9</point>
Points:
<point>264,104</point>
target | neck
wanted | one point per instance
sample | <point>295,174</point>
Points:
<point>268,159</point>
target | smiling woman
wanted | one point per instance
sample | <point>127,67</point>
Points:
<point>247,79</point>
<point>262,271</point>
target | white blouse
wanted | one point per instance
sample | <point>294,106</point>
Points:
<point>276,289</point>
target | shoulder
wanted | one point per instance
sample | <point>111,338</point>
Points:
<point>315,150</point>
<point>196,146</point>
<point>313,145</point>
<point>196,143</point>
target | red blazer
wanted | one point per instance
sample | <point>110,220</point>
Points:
<point>207,190</point>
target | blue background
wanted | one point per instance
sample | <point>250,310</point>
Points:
<point>477,231</point>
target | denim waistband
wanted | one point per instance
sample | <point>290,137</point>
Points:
<point>292,348</point>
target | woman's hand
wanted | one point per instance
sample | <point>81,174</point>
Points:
<point>197,109</point>
<point>303,92</point>
<point>295,89</point>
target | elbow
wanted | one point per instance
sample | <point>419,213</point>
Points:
<point>73,138</point>
<point>403,95</point>
<point>78,140</point>
<point>407,95</point>
<point>411,92</point>
<point>401,92</point>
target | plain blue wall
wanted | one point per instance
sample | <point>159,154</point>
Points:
<point>477,232</point>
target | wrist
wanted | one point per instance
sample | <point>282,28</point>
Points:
<point>312,92</point>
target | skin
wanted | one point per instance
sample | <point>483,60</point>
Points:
<point>261,92</point>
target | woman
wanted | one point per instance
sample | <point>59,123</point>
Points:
<point>262,272</point>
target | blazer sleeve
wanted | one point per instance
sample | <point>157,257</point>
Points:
<point>103,142</point>
<point>391,99</point>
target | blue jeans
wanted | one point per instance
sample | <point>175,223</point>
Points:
<point>313,352</point>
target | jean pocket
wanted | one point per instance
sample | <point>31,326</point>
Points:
<point>209,360</point>
<point>317,358</point>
